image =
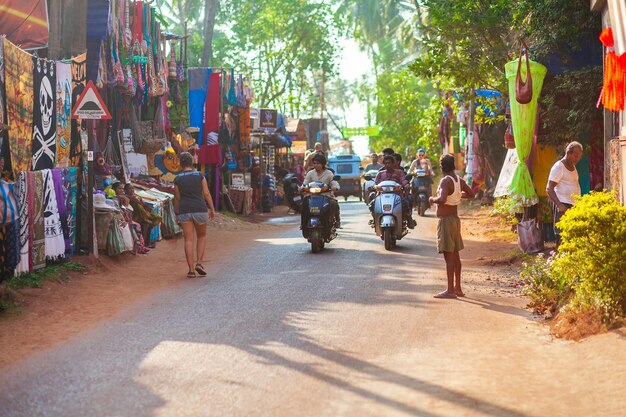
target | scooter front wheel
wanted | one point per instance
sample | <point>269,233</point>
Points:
<point>388,239</point>
<point>317,243</point>
<point>421,209</point>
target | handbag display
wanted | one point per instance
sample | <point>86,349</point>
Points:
<point>523,90</point>
<point>529,236</point>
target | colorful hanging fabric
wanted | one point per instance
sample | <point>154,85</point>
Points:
<point>614,85</point>
<point>9,249</point>
<point>63,113</point>
<point>21,192</point>
<point>69,193</point>
<point>54,242</point>
<point>212,105</point>
<point>44,114</point>
<point>39,229</point>
<point>18,66</point>
<point>232,95</point>
<point>79,82</point>
<point>3,118</point>
<point>523,119</point>
<point>57,179</point>
<point>198,87</point>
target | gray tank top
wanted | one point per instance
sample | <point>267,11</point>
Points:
<point>189,185</point>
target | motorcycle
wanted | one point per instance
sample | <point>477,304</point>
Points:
<point>421,190</point>
<point>318,223</point>
<point>291,186</point>
<point>369,178</point>
<point>389,222</point>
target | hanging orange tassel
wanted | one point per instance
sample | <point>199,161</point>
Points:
<point>606,37</point>
<point>614,88</point>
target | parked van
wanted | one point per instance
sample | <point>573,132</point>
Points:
<point>349,168</point>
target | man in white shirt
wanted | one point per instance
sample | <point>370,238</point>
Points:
<point>563,183</point>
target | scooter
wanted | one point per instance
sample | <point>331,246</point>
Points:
<point>291,185</point>
<point>421,190</point>
<point>318,223</point>
<point>369,178</point>
<point>389,223</point>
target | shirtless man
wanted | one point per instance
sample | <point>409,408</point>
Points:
<point>449,241</point>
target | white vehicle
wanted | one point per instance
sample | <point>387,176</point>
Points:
<point>389,223</point>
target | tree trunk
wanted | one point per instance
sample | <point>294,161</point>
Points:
<point>210,9</point>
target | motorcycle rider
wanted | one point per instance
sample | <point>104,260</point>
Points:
<point>422,162</point>
<point>391,173</point>
<point>321,174</point>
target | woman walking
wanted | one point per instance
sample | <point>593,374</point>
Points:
<point>191,199</point>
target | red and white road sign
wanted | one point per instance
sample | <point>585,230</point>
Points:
<point>90,105</point>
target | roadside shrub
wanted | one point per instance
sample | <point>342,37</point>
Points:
<point>505,207</point>
<point>589,272</point>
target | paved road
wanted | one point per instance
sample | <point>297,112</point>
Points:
<point>278,331</point>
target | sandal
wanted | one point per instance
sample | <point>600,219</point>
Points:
<point>191,274</point>
<point>200,270</point>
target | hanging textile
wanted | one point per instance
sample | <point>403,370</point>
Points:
<point>3,119</point>
<point>63,113</point>
<point>97,23</point>
<point>212,105</point>
<point>18,67</point>
<point>57,179</point>
<point>232,95</point>
<point>198,87</point>
<point>54,242</point>
<point>69,193</point>
<point>44,114</point>
<point>38,230</point>
<point>21,192</point>
<point>9,249</point>
<point>523,119</point>
<point>79,82</point>
<point>244,125</point>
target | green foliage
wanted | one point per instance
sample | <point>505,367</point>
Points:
<point>565,108</point>
<point>591,264</point>
<point>506,208</point>
<point>555,26</point>
<point>405,113</point>
<point>37,278</point>
<point>284,45</point>
<point>549,289</point>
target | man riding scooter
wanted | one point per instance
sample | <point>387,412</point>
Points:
<point>423,173</point>
<point>391,173</point>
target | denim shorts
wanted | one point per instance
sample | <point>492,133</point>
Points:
<point>197,218</point>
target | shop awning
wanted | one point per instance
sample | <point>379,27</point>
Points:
<point>25,23</point>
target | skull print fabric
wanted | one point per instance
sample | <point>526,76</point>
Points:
<point>44,114</point>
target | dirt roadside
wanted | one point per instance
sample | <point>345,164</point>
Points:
<point>61,310</point>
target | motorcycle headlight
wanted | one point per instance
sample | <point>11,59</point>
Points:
<point>315,190</point>
<point>389,189</point>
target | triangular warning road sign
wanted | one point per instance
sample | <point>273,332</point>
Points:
<point>90,105</point>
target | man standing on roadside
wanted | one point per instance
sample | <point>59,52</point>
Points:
<point>449,241</point>
<point>563,183</point>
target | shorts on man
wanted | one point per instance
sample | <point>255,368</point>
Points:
<point>449,234</point>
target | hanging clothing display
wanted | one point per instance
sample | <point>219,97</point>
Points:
<point>38,231</point>
<point>18,66</point>
<point>63,113</point>
<point>44,114</point>
<point>212,105</point>
<point>69,192</point>
<point>79,83</point>
<point>54,242</point>
<point>198,87</point>
<point>21,192</point>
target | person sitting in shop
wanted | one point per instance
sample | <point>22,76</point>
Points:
<point>142,214</point>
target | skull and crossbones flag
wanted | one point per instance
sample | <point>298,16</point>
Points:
<point>44,114</point>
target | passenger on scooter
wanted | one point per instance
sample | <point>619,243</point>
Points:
<point>321,174</point>
<point>391,173</point>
